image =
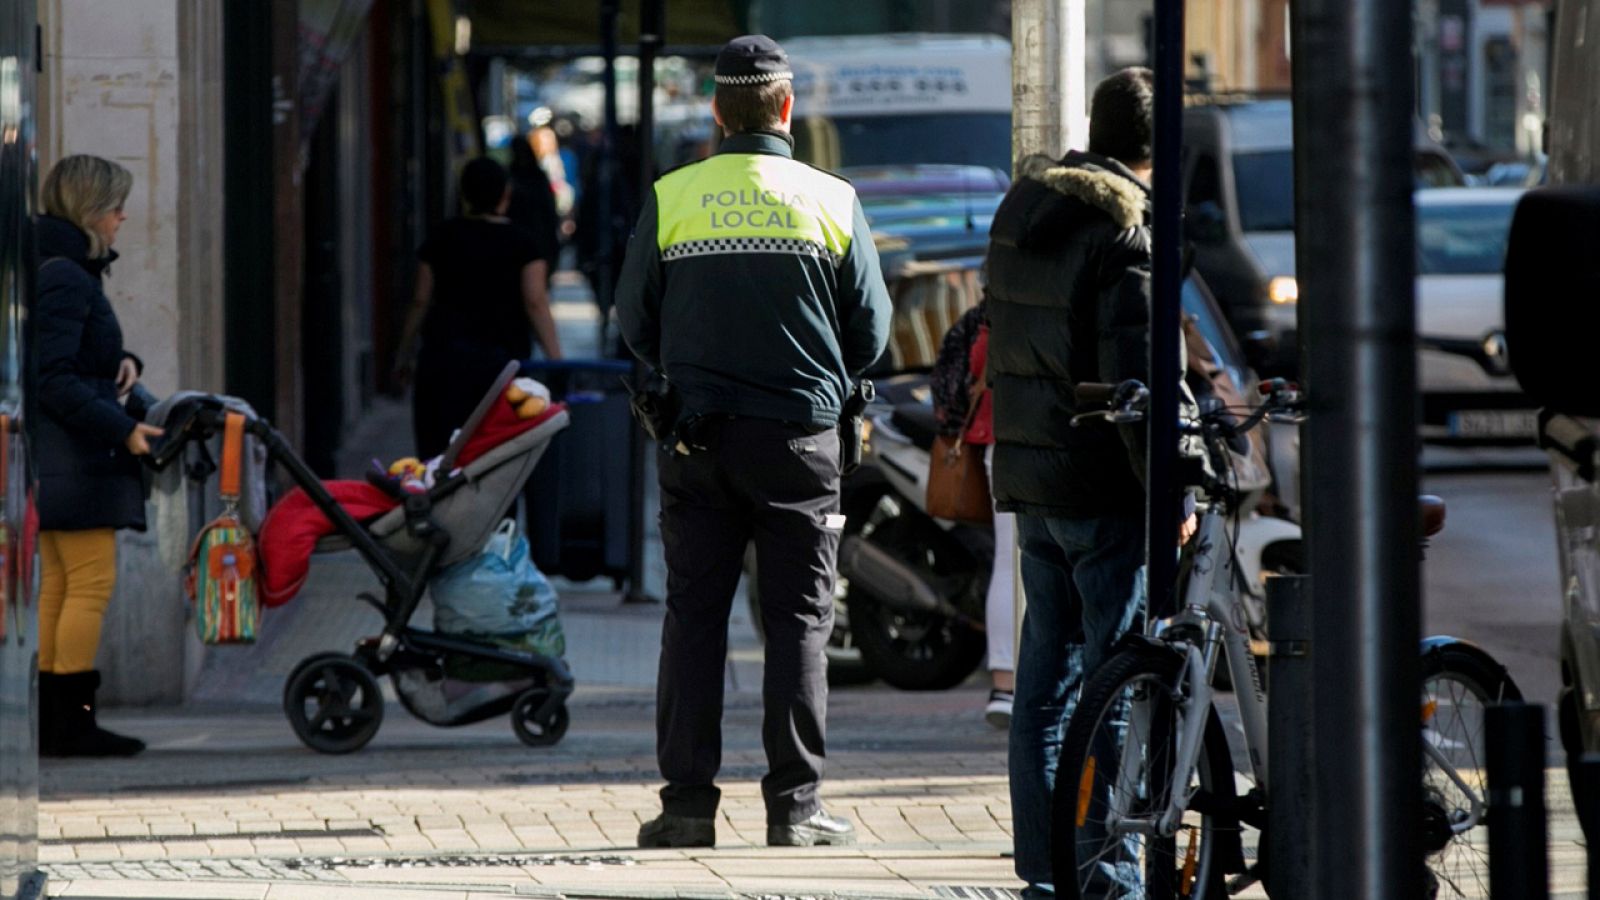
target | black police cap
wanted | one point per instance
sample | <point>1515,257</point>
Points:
<point>752,59</point>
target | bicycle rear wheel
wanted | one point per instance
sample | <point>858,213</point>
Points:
<point>1116,776</point>
<point>1457,685</point>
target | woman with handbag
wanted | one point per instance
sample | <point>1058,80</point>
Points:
<point>85,443</point>
<point>965,409</point>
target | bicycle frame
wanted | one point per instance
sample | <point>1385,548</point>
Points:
<point>1213,620</point>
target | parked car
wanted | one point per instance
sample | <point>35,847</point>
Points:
<point>938,212</point>
<point>1238,173</point>
<point>1463,367</point>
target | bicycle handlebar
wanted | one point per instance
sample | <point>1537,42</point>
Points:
<point>1091,393</point>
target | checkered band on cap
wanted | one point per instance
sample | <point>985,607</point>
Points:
<point>752,59</point>
<point>716,246</point>
<point>763,78</point>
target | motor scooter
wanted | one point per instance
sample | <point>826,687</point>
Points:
<point>910,596</point>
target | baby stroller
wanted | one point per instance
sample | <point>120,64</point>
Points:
<point>333,700</point>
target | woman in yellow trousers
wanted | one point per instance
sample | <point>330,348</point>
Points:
<point>85,443</point>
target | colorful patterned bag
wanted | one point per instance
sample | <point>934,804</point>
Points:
<point>222,576</point>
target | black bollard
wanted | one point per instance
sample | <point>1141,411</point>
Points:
<point>1586,797</point>
<point>1291,746</point>
<point>1519,859</point>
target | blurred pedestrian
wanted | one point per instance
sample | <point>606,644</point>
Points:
<point>623,183</point>
<point>964,406</point>
<point>1069,303</point>
<point>753,284</point>
<point>547,147</point>
<point>482,285</point>
<point>533,202</point>
<point>84,443</point>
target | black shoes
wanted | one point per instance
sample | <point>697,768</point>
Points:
<point>822,829</point>
<point>668,830</point>
<point>67,724</point>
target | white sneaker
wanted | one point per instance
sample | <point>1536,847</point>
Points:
<point>998,712</point>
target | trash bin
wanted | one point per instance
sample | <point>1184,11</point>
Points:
<point>578,501</point>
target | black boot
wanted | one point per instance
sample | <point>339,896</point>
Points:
<point>76,731</point>
<point>49,713</point>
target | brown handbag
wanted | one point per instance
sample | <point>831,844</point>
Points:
<point>958,484</point>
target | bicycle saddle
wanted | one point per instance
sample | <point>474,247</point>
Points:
<point>1433,511</point>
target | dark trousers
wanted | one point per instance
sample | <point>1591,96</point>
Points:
<point>775,485</point>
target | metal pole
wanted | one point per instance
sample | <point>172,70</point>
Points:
<point>1048,116</point>
<point>1519,858</point>
<point>1353,107</point>
<point>1166,368</point>
<point>606,163</point>
<point>1586,797</point>
<point>1291,741</point>
<point>652,15</point>
<point>1048,66</point>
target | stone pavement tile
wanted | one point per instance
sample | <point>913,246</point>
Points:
<point>189,890</point>
<point>423,875</point>
<point>70,830</point>
<point>817,867</point>
<point>57,853</point>
<point>323,891</point>
<point>890,887</point>
<point>954,868</point>
<point>539,837</point>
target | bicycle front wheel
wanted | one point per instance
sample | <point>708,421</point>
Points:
<point>1116,778</point>
<point>1457,685</point>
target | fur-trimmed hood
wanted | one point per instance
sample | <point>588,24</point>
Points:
<point>1099,182</point>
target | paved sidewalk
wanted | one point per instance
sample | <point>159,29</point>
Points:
<point>227,804</point>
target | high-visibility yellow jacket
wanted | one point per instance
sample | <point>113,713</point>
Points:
<point>752,282</point>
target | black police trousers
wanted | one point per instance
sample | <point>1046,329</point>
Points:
<point>775,485</point>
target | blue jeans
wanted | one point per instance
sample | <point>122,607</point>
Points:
<point>1081,580</point>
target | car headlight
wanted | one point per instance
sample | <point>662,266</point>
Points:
<point>1283,290</point>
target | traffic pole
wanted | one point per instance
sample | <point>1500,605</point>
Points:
<point>1355,245</point>
<point>1290,838</point>
<point>1586,797</point>
<point>1519,857</point>
<point>1049,99</point>
<point>1162,514</point>
<point>652,35</point>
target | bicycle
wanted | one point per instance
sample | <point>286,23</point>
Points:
<point>1146,765</point>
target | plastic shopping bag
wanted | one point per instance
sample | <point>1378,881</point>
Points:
<point>501,596</point>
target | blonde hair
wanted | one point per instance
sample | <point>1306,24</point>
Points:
<point>82,189</point>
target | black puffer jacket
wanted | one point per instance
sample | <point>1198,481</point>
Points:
<point>87,478</point>
<point>1069,302</point>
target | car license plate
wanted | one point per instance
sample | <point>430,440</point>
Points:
<point>1494,423</point>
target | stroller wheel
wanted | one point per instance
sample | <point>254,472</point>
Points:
<point>533,731</point>
<point>333,703</point>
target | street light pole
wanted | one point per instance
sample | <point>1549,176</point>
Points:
<point>1163,514</point>
<point>1353,108</point>
<point>1048,95</point>
<point>1048,114</point>
<point>652,34</point>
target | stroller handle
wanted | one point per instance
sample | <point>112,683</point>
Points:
<point>197,419</point>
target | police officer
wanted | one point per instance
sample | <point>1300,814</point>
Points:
<point>752,283</point>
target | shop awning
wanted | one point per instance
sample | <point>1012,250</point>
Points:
<point>518,27</point>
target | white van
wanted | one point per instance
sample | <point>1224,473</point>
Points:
<point>902,99</point>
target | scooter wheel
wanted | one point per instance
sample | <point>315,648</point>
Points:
<point>532,730</point>
<point>333,703</point>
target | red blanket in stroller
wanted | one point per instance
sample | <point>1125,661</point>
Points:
<point>294,525</point>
